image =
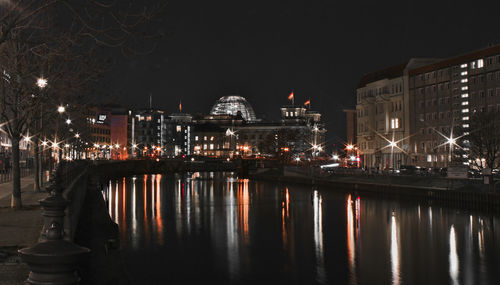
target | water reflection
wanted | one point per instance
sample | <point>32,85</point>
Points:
<point>396,278</point>
<point>351,240</point>
<point>236,230</point>
<point>453,258</point>
<point>318,237</point>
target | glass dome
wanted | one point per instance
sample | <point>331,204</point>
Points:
<point>230,105</point>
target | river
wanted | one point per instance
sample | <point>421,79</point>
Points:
<point>215,228</point>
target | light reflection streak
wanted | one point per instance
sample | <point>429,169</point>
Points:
<point>145,198</point>
<point>159,218</point>
<point>110,199</point>
<point>318,237</point>
<point>134,214</point>
<point>124,208</point>
<point>232,234</point>
<point>153,203</point>
<point>351,243</point>
<point>395,258</point>
<point>453,258</point>
<point>243,201</point>
<point>116,203</point>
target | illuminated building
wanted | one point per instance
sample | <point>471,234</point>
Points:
<point>443,98</point>
<point>420,104</point>
<point>148,132</point>
<point>178,132</point>
<point>234,105</point>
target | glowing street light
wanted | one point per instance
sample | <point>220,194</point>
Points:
<point>134,146</point>
<point>44,143</point>
<point>77,135</point>
<point>68,121</point>
<point>61,109</point>
<point>349,147</point>
<point>41,82</point>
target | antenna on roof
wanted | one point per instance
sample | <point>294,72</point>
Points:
<point>150,101</point>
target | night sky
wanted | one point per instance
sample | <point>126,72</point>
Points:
<point>263,50</point>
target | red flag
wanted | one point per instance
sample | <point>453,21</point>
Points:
<point>307,102</point>
<point>290,97</point>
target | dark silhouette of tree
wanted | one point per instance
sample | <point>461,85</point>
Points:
<point>484,138</point>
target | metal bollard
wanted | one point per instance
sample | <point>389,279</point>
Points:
<point>53,260</point>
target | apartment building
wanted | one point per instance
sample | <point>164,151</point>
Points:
<point>444,97</point>
<point>414,112</point>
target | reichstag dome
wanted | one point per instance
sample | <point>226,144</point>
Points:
<point>230,105</point>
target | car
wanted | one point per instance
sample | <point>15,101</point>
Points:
<point>408,169</point>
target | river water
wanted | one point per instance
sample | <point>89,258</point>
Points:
<point>217,229</point>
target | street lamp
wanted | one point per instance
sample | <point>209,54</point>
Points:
<point>68,121</point>
<point>61,109</point>
<point>41,82</point>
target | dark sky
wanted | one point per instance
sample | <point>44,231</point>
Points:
<point>263,50</point>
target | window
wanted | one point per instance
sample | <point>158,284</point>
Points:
<point>286,114</point>
<point>465,125</point>
<point>196,138</point>
<point>465,88</point>
<point>212,138</point>
<point>179,129</point>
<point>480,63</point>
<point>464,65</point>
<point>394,123</point>
<point>211,146</point>
<point>465,118</point>
<point>465,110</point>
<point>463,80</point>
<point>490,60</point>
<point>490,92</point>
<point>465,103</point>
<point>463,73</point>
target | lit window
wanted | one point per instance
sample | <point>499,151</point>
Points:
<point>465,110</point>
<point>179,129</point>
<point>463,80</point>
<point>465,125</point>
<point>395,123</point>
<point>148,118</point>
<point>480,63</point>
<point>464,65</point>
<point>463,72</point>
<point>211,146</point>
<point>466,133</point>
<point>464,103</point>
<point>211,138</point>
<point>465,95</point>
<point>296,114</point>
<point>205,146</point>
<point>429,158</point>
<point>205,138</point>
<point>465,118</point>
<point>286,114</point>
<point>465,87</point>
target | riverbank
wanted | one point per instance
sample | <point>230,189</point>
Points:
<point>458,193</point>
<point>18,229</point>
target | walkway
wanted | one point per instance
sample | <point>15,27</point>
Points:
<point>18,229</point>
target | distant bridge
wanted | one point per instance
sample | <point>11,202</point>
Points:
<point>145,166</point>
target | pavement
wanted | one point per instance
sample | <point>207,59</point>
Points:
<point>18,229</point>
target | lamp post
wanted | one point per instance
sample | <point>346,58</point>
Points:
<point>41,83</point>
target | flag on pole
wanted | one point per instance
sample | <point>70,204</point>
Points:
<point>290,97</point>
<point>180,106</point>
<point>308,102</point>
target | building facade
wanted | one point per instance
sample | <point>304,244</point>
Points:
<point>414,112</point>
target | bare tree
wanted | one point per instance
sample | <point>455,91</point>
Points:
<point>484,138</point>
<point>58,39</point>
